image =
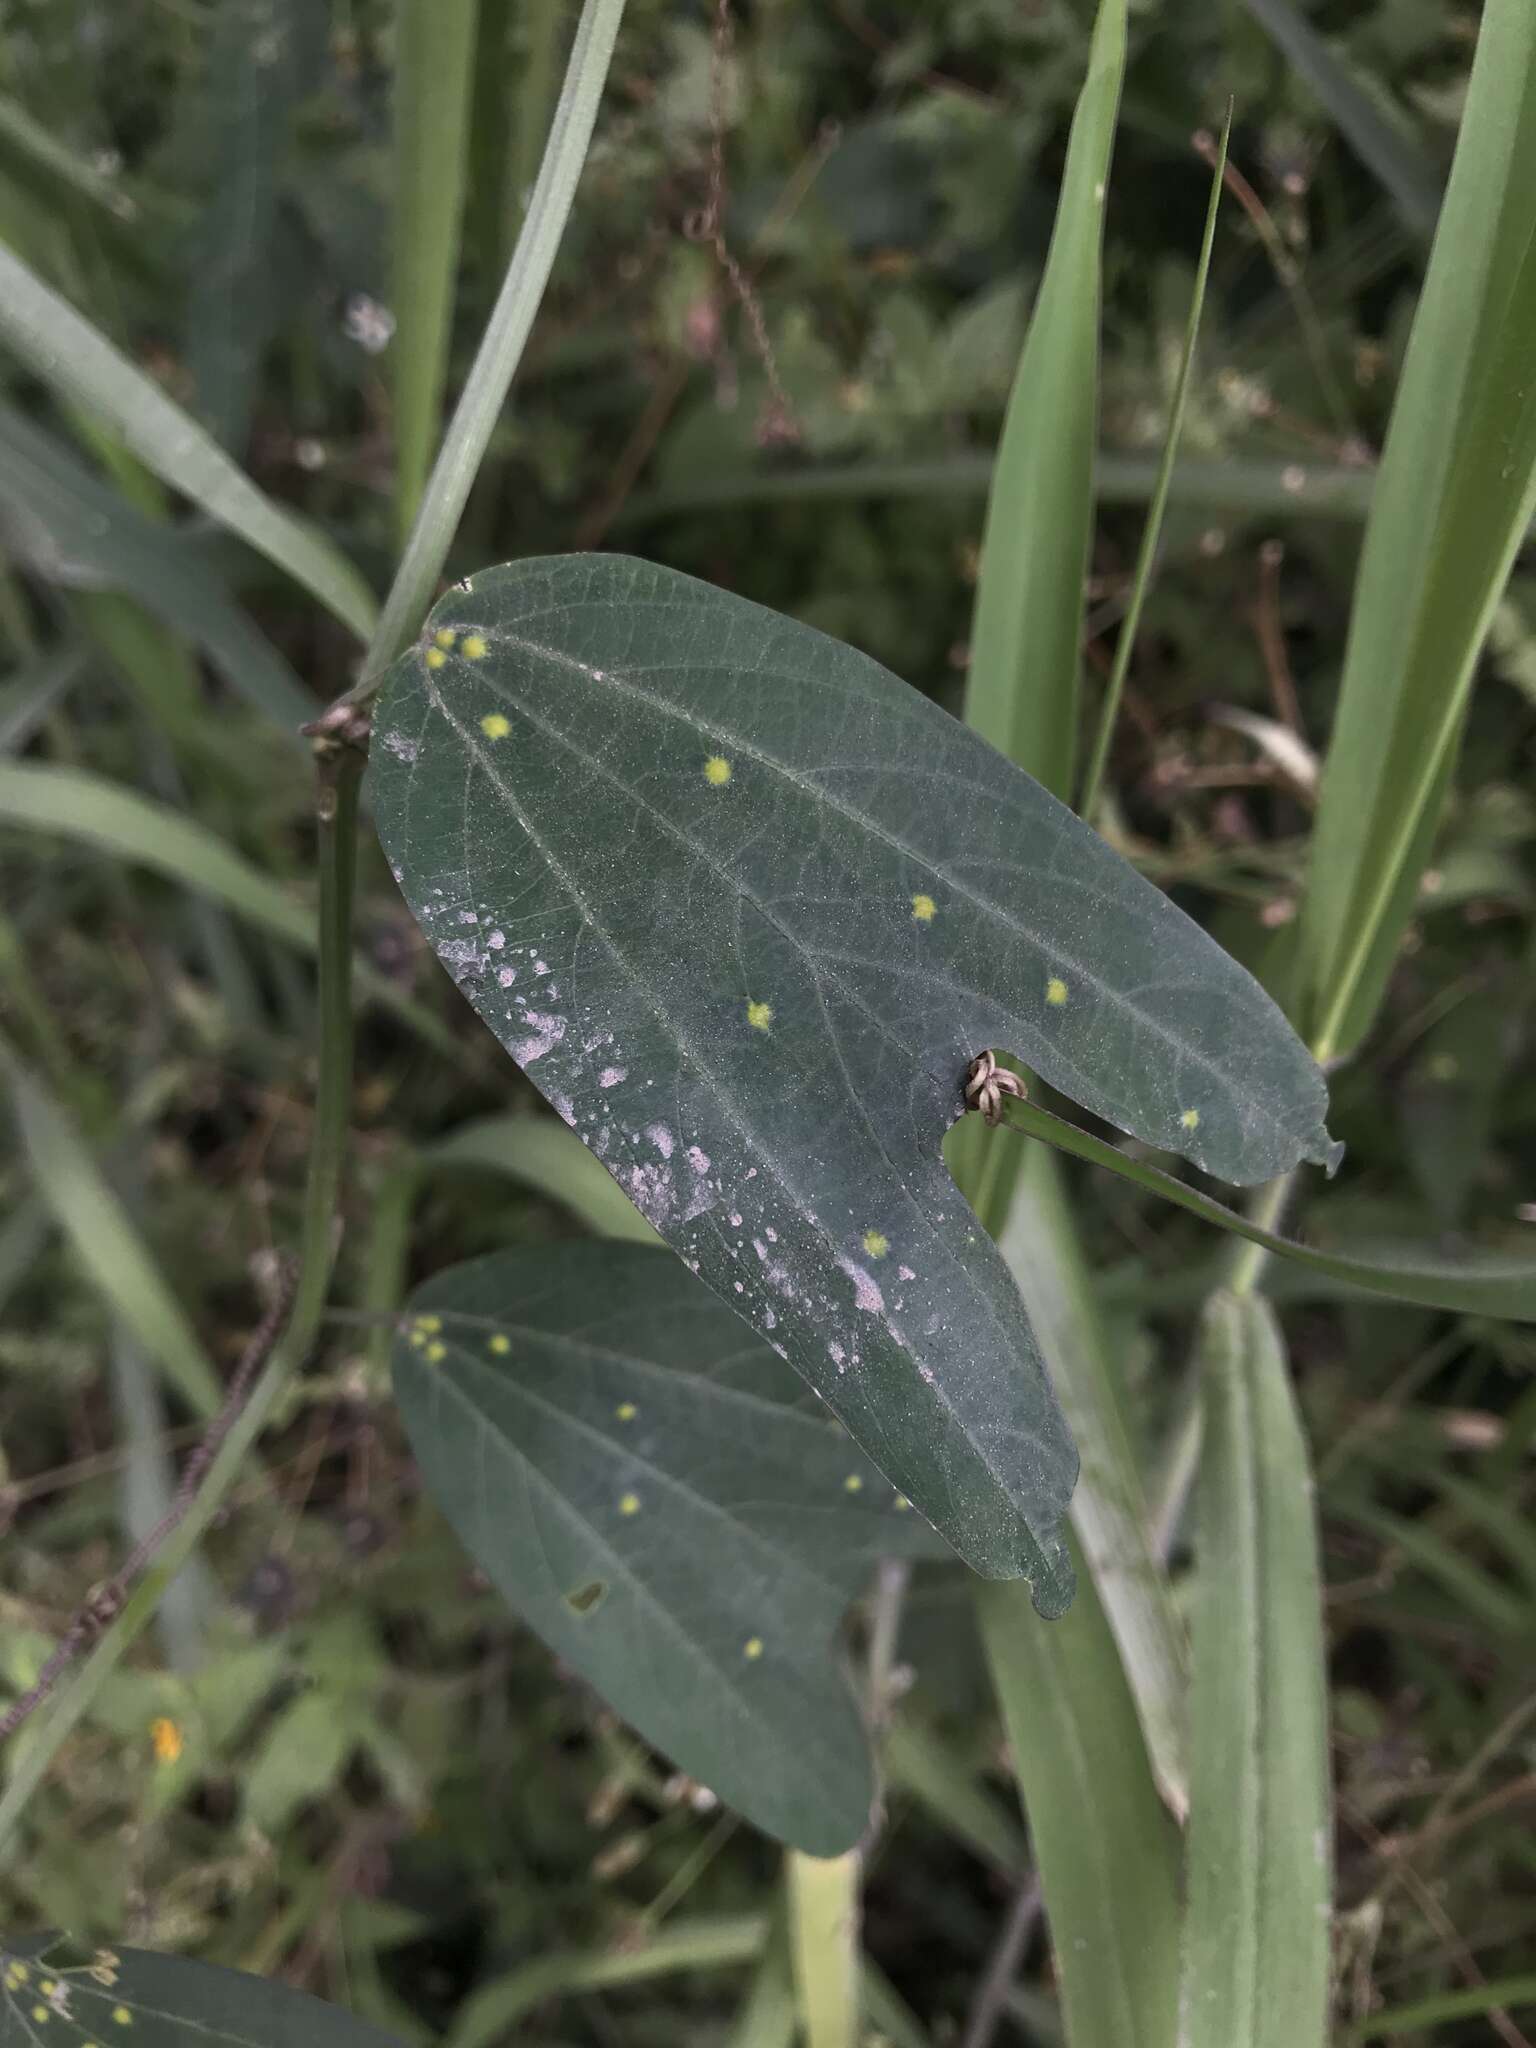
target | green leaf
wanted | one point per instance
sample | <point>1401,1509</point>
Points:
<point>1107,1852</point>
<point>105,1240</point>
<point>1256,1929</point>
<point>1457,490</point>
<point>713,1943</point>
<point>94,1996</point>
<point>434,48</point>
<point>1386,146</point>
<point>484,395</point>
<point>542,1153</point>
<point>62,347</point>
<point>84,807</point>
<point>1491,1285</point>
<point>264,56</point>
<point>302,1755</point>
<point>923,1764</point>
<point>1022,688</point>
<point>627,1465</point>
<point>74,530</point>
<point>744,906</point>
<point>1109,1509</point>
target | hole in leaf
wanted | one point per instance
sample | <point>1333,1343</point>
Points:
<point>587,1599</point>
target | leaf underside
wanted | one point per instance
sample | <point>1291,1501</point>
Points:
<point>629,1466</point>
<point>744,906</point>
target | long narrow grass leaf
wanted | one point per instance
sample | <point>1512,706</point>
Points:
<point>1022,689</point>
<point>1107,1852</point>
<point>434,49</point>
<point>546,1155</point>
<point>63,348</point>
<point>1458,488</point>
<point>1254,1971</point>
<point>1040,1246</point>
<point>105,1241</point>
<point>501,348</point>
<point>1385,146</point>
<point>1489,1285</point>
<point>824,1945</point>
<point>1146,553</point>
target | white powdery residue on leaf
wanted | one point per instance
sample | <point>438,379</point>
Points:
<point>770,1320</point>
<point>698,1160</point>
<point>506,976</point>
<point>461,957</point>
<point>735,1219</point>
<point>547,1033</point>
<point>866,1294</point>
<point>661,1138</point>
<point>650,1189</point>
<point>541,967</point>
<point>402,748</point>
<point>905,1273</point>
<point>564,1108</point>
<point>469,917</point>
<point>496,941</point>
<point>596,1041</point>
<point>773,1235</point>
<point>610,1077</point>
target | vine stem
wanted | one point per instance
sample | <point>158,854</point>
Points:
<point>340,777</point>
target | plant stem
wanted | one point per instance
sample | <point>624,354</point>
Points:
<point>501,347</point>
<point>340,778</point>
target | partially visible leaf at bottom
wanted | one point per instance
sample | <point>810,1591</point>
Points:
<point>629,1466</point>
<point>55,1991</point>
<point>744,906</point>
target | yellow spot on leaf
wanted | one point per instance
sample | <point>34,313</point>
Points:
<point>500,1344</point>
<point>923,908</point>
<point>435,657</point>
<point>903,1505</point>
<point>752,1647</point>
<point>1056,991</point>
<point>48,1987</point>
<point>630,1504</point>
<point>853,1483</point>
<point>876,1243</point>
<point>436,1353</point>
<point>167,1739</point>
<point>445,636</point>
<point>18,1973</point>
<point>1190,1119</point>
<point>429,1325</point>
<point>717,770</point>
<point>121,2016</point>
<point>41,2014</point>
<point>495,725</point>
<point>474,647</point>
<point>626,1411</point>
<point>759,1015</point>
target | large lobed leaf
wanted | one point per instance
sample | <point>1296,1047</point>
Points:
<point>745,906</point>
<point>628,1465</point>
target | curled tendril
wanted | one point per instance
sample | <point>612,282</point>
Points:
<point>986,1083</point>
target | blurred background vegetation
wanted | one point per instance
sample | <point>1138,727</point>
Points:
<point>342,1763</point>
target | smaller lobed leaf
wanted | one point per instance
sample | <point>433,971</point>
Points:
<point>636,1474</point>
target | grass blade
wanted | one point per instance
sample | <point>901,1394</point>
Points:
<point>945,1781</point>
<point>1109,1508</point>
<point>1458,487</point>
<point>88,808</point>
<point>1256,1931</point>
<point>434,46</point>
<point>547,1155</point>
<point>1107,1852</point>
<point>824,1945</point>
<point>74,530</point>
<point>1425,2013</point>
<point>506,334</point>
<point>105,1240</point>
<point>1386,147</point>
<point>1151,531</point>
<point>72,356</point>
<point>490,2013</point>
<point>1022,691</point>
<point>1490,1286</point>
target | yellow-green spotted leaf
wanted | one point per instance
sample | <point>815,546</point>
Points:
<point>744,906</point>
<point>631,1469</point>
<point>55,1993</point>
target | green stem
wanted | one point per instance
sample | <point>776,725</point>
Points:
<point>501,347</point>
<point>341,776</point>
